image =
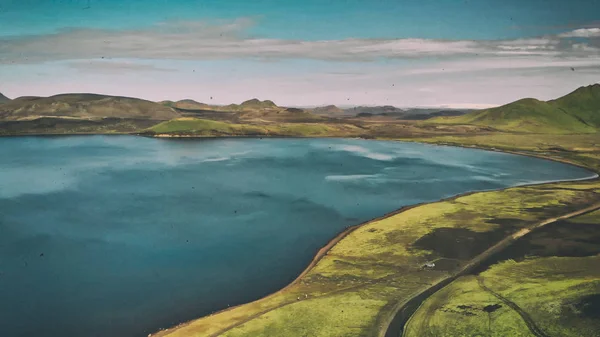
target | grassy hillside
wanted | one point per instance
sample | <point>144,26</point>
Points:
<point>88,106</point>
<point>73,126</point>
<point>249,105</point>
<point>583,104</point>
<point>203,127</point>
<point>257,104</point>
<point>329,110</point>
<point>208,128</point>
<point>187,104</point>
<point>577,112</point>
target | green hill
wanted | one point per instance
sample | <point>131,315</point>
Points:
<point>583,104</point>
<point>250,105</point>
<point>328,110</point>
<point>167,103</point>
<point>577,112</point>
<point>257,104</point>
<point>189,104</point>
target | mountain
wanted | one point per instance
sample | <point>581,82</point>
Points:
<point>187,104</point>
<point>167,103</point>
<point>427,115</point>
<point>328,110</point>
<point>403,114</point>
<point>84,106</point>
<point>249,105</point>
<point>252,110</point>
<point>577,112</point>
<point>255,104</point>
<point>4,99</point>
<point>583,104</point>
<point>385,110</point>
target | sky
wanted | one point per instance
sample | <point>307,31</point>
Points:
<point>407,53</point>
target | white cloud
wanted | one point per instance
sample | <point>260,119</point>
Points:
<point>209,41</point>
<point>582,32</point>
<point>188,55</point>
<point>499,63</point>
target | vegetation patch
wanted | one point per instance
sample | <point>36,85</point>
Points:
<point>550,278</point>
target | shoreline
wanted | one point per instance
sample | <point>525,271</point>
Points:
<point>322,252</point>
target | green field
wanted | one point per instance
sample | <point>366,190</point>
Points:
<point>208,128</point>
<point>559,296</point>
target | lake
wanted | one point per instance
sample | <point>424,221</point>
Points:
<point>124,235</point>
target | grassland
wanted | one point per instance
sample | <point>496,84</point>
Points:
<point>356,287</point>
<point>195,127</point>
<point>73,126</point>
<point>548,285</point>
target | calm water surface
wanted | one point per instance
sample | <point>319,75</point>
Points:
<point>121,236</point>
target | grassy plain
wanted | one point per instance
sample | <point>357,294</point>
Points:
<point>209,128</point>
<point>559,295</point>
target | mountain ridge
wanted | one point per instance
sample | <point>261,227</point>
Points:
<point>84,105</point>
<point>4,99</point>
<point>576,112</point>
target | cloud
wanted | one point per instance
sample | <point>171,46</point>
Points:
<point>230,40</point>
<point>114,67</point>
<point>582,32</point>
<point>513,63</point>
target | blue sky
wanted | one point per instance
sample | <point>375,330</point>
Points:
<point>403,52</point>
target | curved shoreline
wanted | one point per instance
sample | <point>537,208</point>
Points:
<point>443,282</point>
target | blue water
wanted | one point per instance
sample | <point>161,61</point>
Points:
<point>123,235</point>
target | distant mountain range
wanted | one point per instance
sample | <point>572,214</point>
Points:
<point>249,105</point>
<point>186,104</point>
<point>385,111</point>
<point>84,106</point>
<point>105,106</point>
<point>250,110</point>
<point>423,114</point>
<point>375,110</point>
<point>328,110</point>
<point>577,112</point>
